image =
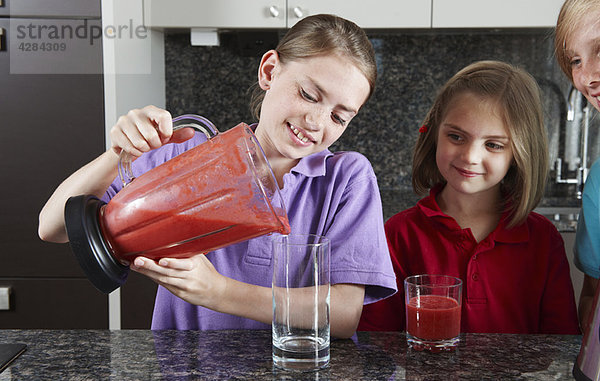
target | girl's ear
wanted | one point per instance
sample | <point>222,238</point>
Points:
<point>266,69</point>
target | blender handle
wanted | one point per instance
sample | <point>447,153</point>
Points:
<point>196,122</point>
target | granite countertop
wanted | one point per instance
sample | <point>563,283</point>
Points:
<point>246,355</point>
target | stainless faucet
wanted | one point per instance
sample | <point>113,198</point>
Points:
<point>578,113</point>
<point>583,168</point>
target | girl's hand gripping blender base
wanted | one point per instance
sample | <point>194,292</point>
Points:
<point>219,193</point>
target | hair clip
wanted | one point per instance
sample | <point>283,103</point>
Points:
<point>423,129</point>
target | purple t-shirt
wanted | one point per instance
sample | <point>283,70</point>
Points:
<point>330,194</point>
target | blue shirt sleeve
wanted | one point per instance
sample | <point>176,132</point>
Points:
<point>587,239</point>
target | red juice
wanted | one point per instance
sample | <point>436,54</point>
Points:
<point>176,236</point>
<point>201,200</point>
<point>433,317</point>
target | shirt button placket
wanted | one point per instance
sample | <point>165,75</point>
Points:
<point>474,273</point>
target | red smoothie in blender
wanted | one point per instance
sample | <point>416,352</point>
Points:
<point>203,199</point>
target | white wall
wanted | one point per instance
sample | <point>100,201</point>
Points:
<point>134,72</point>
<point>134,76</point>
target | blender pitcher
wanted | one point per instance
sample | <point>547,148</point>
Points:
<point>218,193</point>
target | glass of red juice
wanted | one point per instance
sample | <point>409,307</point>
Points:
<point>433,304</point>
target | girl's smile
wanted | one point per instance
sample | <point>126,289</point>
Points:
<point>301,136</point>
<point>467,173</point>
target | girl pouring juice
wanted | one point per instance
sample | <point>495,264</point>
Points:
<point>309,89</point>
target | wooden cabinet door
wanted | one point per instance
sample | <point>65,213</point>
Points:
<point>137,301</point>
<point>51,125</point>
<point>53,304</point>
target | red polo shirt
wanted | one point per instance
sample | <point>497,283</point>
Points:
<point>514,281</point>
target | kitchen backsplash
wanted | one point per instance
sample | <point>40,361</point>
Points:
<point>412,65</point>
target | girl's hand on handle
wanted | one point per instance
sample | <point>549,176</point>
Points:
<point>137,132</point>
<point>142,130</point>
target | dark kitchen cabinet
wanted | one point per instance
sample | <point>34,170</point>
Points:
<point>137,302</point>
<point>53,303</point>
<point>51,125</point>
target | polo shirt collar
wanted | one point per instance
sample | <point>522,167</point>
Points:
<point>431,209</point>
<point>313,165</point>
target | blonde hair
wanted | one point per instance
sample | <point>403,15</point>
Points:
<point>321,35</point>
<point>518,98</point>
<point>571,12</point>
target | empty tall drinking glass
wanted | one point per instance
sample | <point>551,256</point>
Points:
<point>301,302</point>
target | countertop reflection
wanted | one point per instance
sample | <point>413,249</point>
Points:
<point>246,355</point>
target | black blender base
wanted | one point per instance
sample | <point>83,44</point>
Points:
<point>88,244</point>
<point>578,374</point>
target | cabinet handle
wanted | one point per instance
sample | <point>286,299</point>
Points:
<point>273,11</point>
<point>1,3</point>
<point>2,39</point>
<point>298,12</point>
<point>4,298</point>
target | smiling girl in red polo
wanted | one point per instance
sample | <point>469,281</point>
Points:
<point>483,156</point>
